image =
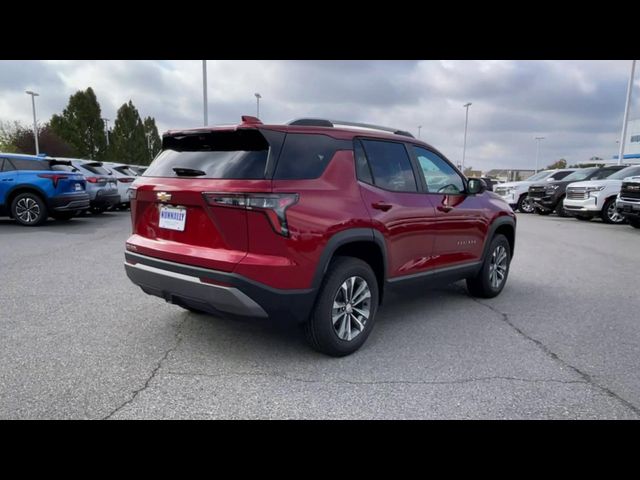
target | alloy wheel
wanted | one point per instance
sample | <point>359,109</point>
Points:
<point>498,267</point>
<point>28,210</point>
<point>351,308</point>
<point>613,214</point>
<point>527,206</point>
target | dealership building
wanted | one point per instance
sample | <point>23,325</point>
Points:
<point>632,142</point>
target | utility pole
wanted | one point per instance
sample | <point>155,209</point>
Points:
<point>258,97</point>
<point>204,93</point>
<point>106,128</point>
<point>466,122</point>
<point>623,135</point>
<point>538,150</point>
<point>35,123</point>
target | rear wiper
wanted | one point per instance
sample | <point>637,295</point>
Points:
<point>188,172</point>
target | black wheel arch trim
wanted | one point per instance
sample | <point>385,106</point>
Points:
<point>345,237</point>
<point>499,222</point>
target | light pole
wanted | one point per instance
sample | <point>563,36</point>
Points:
<point>419,128</point>
<point>258,97</point>
<point>149,145</point>
<point>538,150</point>
<point>35,125</point>
<point>466,123</point>
<point>106,128</point>
<point>204,93</point>
<point>623,135</point>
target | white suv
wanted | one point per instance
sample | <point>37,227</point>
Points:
<point>597,198</point>
<point>515,193</point>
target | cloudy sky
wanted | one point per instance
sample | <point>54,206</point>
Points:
<point>577,105</point>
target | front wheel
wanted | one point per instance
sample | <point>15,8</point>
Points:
<point>345,310</point>
<point>525,205</point>
<point>492,277</point>
<point>29,209</point>
<point>610,214</point>
<point>560,211</point>
<point>540,211</point>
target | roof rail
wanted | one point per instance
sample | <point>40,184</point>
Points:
<point>319,122</point>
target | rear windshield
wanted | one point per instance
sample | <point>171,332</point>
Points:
<point>240,154</point>
<point>98,170</point>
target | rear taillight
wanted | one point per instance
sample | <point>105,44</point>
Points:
<point>125,179</point>
<point>92,179</point>
<point>54,177</point>
<point>273,205</point>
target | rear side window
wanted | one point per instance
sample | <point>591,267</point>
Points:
<point>390,166</point>
<point>305,156</point>
<point>362,165</point>
<point>21,164</point>
<point>238,154</point>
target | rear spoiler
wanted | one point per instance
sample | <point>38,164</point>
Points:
<point>93,164</point>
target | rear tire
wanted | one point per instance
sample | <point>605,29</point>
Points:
<point>345,310</point>
<point>29,209</point>
<point>493,275</point>
<point>97,210</point>
<point>560,211</point>
<point>525,205</point>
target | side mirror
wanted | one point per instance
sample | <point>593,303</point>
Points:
<point>475,186</point>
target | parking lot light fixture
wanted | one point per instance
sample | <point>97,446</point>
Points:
<point>419,128</point>
<point>623,135</point>
<point>35,124</point>
<point>538,150</point>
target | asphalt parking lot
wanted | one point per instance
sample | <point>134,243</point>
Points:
<point>78,340</point>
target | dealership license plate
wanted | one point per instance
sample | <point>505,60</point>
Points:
<point>78,187</point>
<point>173,218</point>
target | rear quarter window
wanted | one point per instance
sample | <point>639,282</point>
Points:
<point>305,156</point>
<point>21,164</point>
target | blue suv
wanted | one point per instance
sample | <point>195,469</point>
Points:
<point>32,188</point>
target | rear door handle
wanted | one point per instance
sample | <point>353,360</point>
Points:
<point>382,206</point>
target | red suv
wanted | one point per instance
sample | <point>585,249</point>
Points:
<point>311,221</point>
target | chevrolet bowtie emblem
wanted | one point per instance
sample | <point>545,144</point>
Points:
<point>163,196</point>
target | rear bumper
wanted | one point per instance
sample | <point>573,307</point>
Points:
<point>71,202</point>
<point>105,200</point>
<point>215,291</point>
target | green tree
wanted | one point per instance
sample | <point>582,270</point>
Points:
<point>127,140</point>
<point>153,138</point>
<point>562,163</point>
<point>81,125</point>
<point>8,132</point>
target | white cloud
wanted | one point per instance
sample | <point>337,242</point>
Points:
<point>577,105</point>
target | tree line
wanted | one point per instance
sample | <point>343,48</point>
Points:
<point>79,131</point>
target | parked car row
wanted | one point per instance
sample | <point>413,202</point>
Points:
<point>611,193</point>
<point>34,188</point>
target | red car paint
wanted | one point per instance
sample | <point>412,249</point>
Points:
<point>421,231</point>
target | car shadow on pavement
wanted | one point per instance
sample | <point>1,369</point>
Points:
<point>242,337</point>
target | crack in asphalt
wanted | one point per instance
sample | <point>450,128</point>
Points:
<point>154,372</point>
<point>372,382</point>
<point>554,356</point>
